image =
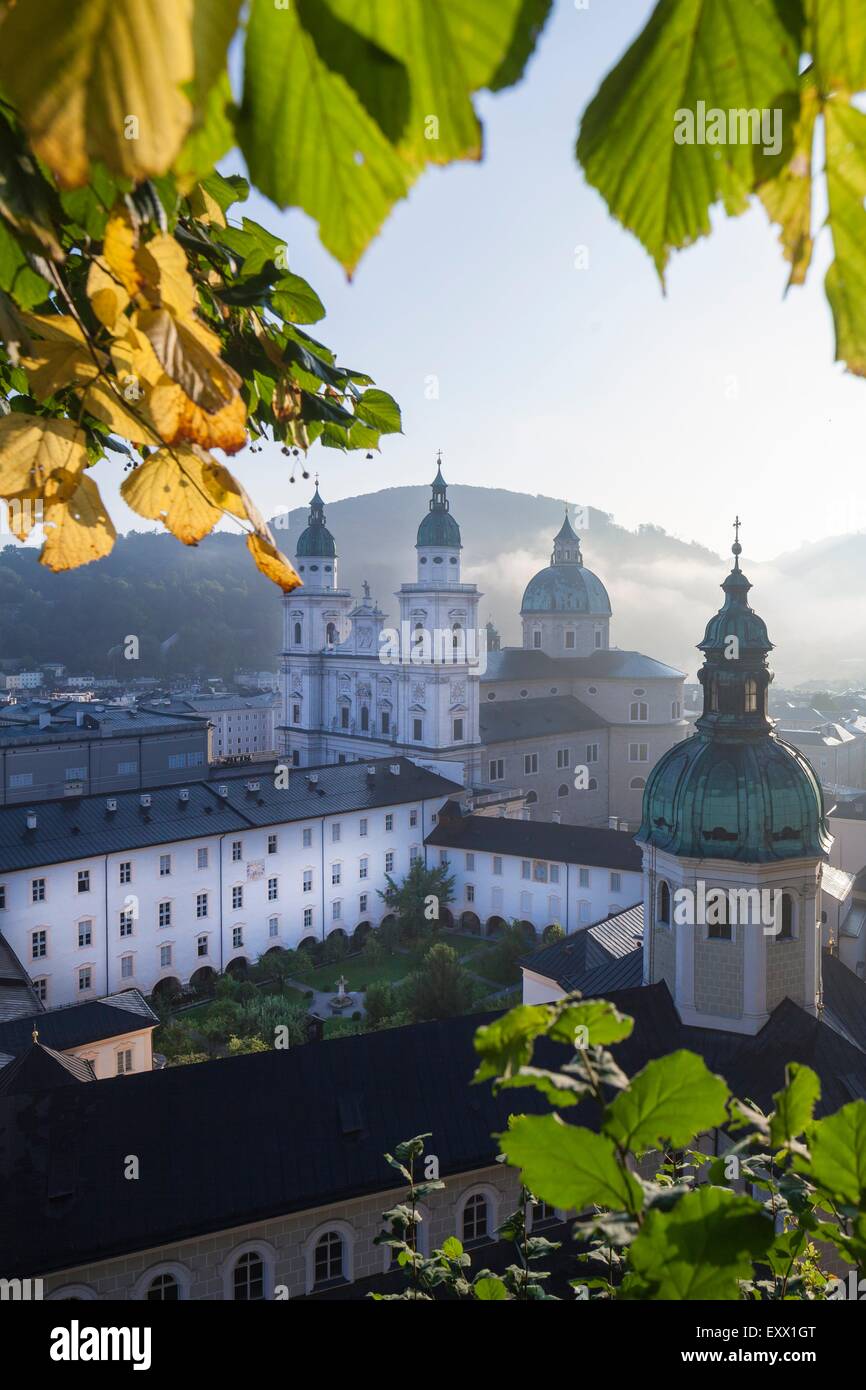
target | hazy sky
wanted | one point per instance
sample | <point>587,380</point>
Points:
<point>587,384</point>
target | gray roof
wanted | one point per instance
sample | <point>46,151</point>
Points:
<point>611,950</point>
<point>83,827</point>
<point>76,1025</point>
<point>19,724</point>
<point>520,663</point>
<point>565,844</point>
<point>17,996</point>
<point>41,1068</point>
<point>507,720</point>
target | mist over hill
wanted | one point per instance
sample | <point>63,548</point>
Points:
<point>226,615</point>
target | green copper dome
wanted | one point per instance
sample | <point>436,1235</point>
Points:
<point>439,527</point>
<point>317,540</point>
<point>734,790</point>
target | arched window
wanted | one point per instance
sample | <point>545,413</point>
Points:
<point>476,1219</point>
<point>297,634</point>
<point>456,635</point>
<point>531,798</point>
<point>331,634</point>
<point>563,790</point>
<point>718,922</point>
<point>328,1259</point>
<point>592,784</point>
<point>248,1279</point>
<point>664,903</point>
<point>751,696</point>
<point>163,1289</point>
<point>637,784</point>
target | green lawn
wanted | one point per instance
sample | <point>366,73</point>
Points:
<point>360,972</point>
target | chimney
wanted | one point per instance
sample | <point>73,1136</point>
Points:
<point>556,817</point>
<point>111,804</point>
<point>613,822</point>
<point>31,820</point>
<point>253,786</point>
<point>312,778</point>
<point>183,794</point>
<point>394,769</point>
<point>222,790</point>
<point>145,799</point>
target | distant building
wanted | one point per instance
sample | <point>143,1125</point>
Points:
<point>25,680</point>
<point>243,725</point>
<point>70,748</point>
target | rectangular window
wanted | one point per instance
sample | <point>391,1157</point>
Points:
<point>362,903</point>
<point>470,892</point>
<point>344,716</point>
<point>530,764</point>
<point>496,899</point>
<point>470,863</point>
<point>201,946</point>
<point>21,779</point>
<point>165,865</point>
<point>389,862</point>
<point>363,867</point>
<point>296,758</point>
<point>37,890</point>
<point>85,933</point>
<point>525,868</point>
<point>307,838</point>
<point>237,851</point>
<point>443,856</point>
<point>526,903</point>
<point>237,897</point>
<point>637,752</point>
<point>336,873</point>
<point>40,989</point>
<point>38,945</point>
<point>563,757</point>
<point>497,864</point>
<point>126,921</point>
<point>201,857</point>
<point>417,730</point>
<point>127,967</point>
<point>385,721</point>
<point>362,827</point>
<point>616,883</point>
<point>308,880</point>
<point>569,640</point>
<point>497,769</point>
<point>592,752</point>
<point>336,910</point>
<point>165,914</point>
<point>554,873</point>
<point>84,880</point>
<point>124,1061</point>
<point>237,937</point>
<point>458,730</point>
<point>676,709</point>
<point>75,774</point>
<point>85,978</point>
<point>125,871</point>
<point>335,833</point>
<point>273,926</point>
<point>536,640</point>
<point>272,844</point>
<point>413,818</point>
<point>584,878</point>
<point>296,714</point>
<point>127,769</point>
<point>201,904</point>
<point>414,853</point>
<point>273,890</point>
<point>308,916</point>
<point>2,896</point>
<point>389,824</point>
<point>164,956</point>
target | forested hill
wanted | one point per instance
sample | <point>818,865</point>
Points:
<point>226,615</point>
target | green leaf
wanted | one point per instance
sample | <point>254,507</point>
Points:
<point>296,301</point>
<point>452,1248</point>
<point>599,1021</point>
<point>702,1246</point>
<point>379,410</point>
<point>212,134</point>
<point>740,56</point>
<point>527,30</point>
<point>838,45</point>
<point>845,139</point>
<point>23,284</point>
<point>308,140</point>
<point>787,195</point>
<point>671,1100</point>
<point>567,1166</point>
<point>226,191</point>
<point>378,79</point>
<point>795,1105</point>
<point>506,1045</point>
<point>838,1147</point>
<point>490,1290</point>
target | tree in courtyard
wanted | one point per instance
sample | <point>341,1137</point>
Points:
<point>441,987</point>
<point>419,902</point>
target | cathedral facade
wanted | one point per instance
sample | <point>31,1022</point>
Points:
<point>567,721</point>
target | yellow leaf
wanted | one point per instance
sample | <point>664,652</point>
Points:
<point>272,563</point>
<point>59,328</point>
<point>163,265</point>
<point>205,207</point>
<point>107,403</point>
<point>179,420</point>
<point>102,80</point>
<point>170,487</point>
<point>108,296</point>
<point>55,363</point>
<point>187,359</point>
<point>134,358</point>
<point>34,448</point>
<point>118,248</point>
<point>77,527</point>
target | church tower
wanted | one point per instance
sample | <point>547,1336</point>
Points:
<point>442,651</point>
<point>566,609</point>
<point>315,622</point>
<point>733,836</point>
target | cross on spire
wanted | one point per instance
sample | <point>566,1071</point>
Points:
<point>736,548</point>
